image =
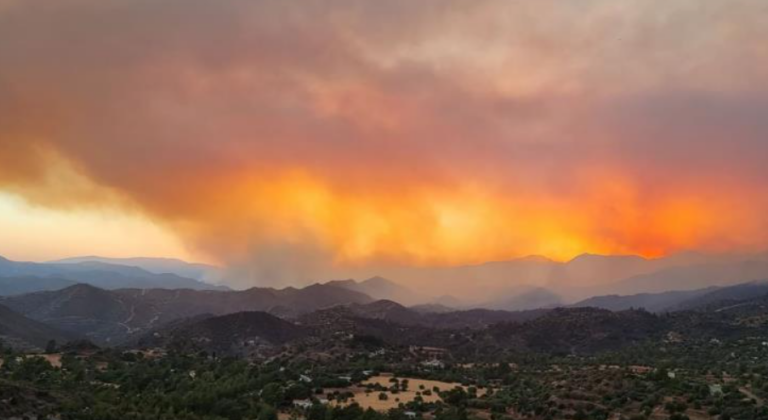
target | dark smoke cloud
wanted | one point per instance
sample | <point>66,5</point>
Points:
<point>188,110</point>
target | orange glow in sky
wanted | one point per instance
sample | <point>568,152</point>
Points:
<point>382,133</point>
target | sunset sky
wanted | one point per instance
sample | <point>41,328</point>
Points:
<point>351,133</point>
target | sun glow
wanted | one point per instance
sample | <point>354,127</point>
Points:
<point>37,233</point>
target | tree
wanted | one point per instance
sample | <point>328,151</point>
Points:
<point>50,347</point>
<point>317,412</point>
<point>267,413</point>
<point>273,394</point>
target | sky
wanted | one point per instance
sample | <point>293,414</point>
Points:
<point>294,138</point>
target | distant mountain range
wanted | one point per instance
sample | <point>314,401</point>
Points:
<point>202,272</point>
<point>536,282</point>
<point>24,277</point>
<point>677,300</point>
<point>653,302</point>
<point>519,284</point>
<point>582,277</point>
<point>380,288</point>
<point>18,285</point>
<point>695,276</point>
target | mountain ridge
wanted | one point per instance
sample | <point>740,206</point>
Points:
<point>113,316</point>
<point>156,265</point>
<point>104,275</point>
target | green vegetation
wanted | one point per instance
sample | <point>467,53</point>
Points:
<point>722,380</point>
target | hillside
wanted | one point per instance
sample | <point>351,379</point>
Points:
<point>562,331</point>
<point>243,333</point>
<point>343,323</point>
<point>389,311</point>
<point>452,319</point>
<point>103,316</point>
<point>432,308</point>
<point>726,296</point>
<point>581,331</point>
<point>21,332</point>
<point>113,316</point>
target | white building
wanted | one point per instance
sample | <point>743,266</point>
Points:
<point>304,404</point>
<point>434,363</point>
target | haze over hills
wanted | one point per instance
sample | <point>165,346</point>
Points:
<point>534,298</point>
<point>518,284</point>
<point>582,277</point>
<point>694,276</point>
<point>381,288</point>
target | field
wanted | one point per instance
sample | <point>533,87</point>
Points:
<point>367,398</point>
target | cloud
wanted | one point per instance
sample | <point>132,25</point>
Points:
<point>394,132</point>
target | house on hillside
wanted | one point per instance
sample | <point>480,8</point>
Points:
<point>434,363</point>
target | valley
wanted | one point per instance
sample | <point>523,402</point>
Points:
<point>331,352</point>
